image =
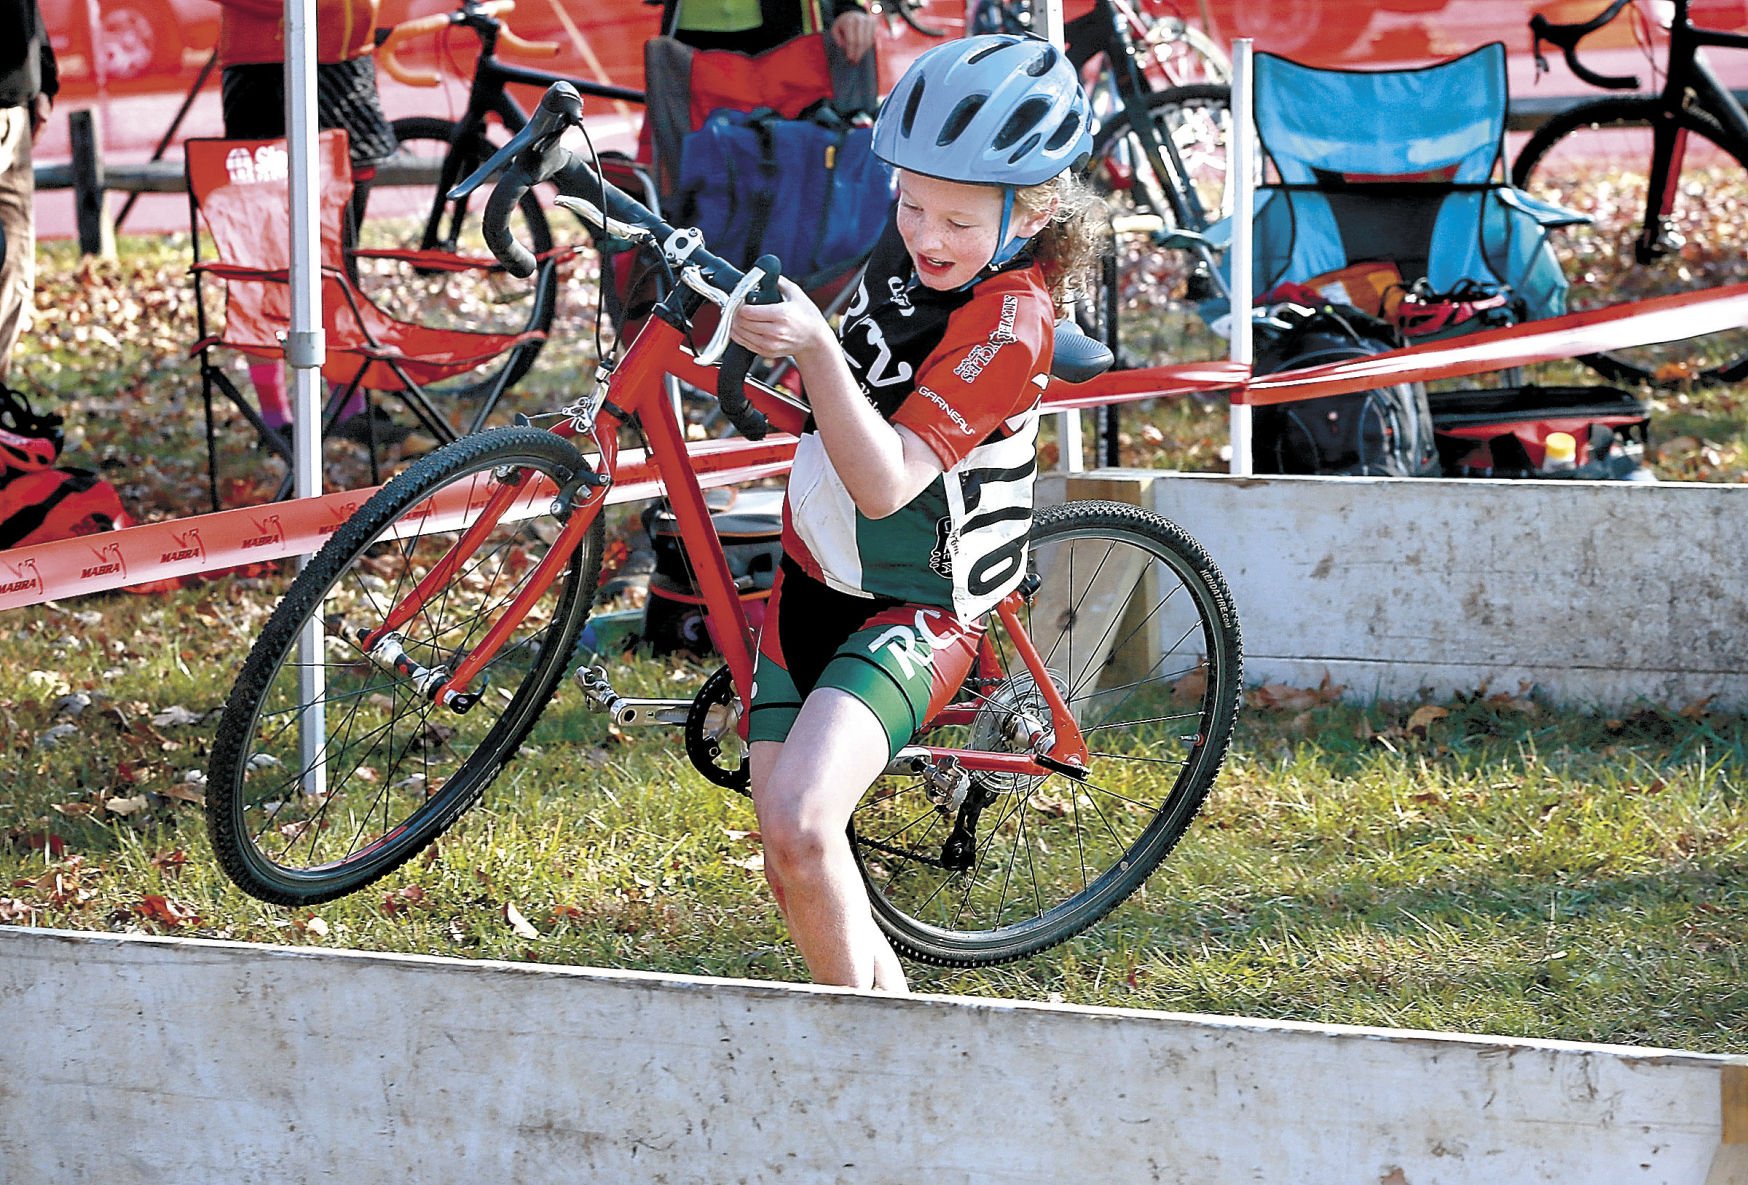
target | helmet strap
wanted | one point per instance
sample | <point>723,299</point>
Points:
<point>1009,247</point>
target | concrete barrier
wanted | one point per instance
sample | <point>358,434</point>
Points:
<point>155,1060</point>
<point>1599,593</point>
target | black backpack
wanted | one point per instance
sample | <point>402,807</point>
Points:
<point>1385,432</point>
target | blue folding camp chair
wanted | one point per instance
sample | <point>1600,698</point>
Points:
<point>1402,166</point>
<point>1387,193</point>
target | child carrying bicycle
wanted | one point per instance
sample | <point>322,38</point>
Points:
<point>911,493</point>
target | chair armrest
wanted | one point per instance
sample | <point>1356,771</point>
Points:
<point>432,259</point>
<point>1545,213</point>
<point>234,271</point>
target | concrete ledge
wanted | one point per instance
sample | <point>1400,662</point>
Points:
<point>1601,594</point>
<point>151,1060</point>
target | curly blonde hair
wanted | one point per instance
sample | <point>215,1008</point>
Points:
<point>1069,246</point>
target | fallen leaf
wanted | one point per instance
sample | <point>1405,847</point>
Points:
<point>1698,709</point>
<point>40,841</point>
<point>519,924</point>
<point>1424,717</point>
<point>184,792</point>
<point>52,682</point>
<point>54,736</point>
<point>170,863</point>
<point>72,705</point>
<point>126,806</point>
<point>1192,687</point>
<point>402,900</point>
<point>174,715</point>
<point>155,907</point>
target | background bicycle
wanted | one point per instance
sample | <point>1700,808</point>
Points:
<point>1661,176</point>
<point>411,658</point>
<point>1159,90</point>
<point>413,235</point>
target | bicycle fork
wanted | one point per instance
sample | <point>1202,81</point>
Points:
<point>1668,148</point>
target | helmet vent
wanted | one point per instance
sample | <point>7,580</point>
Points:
<point>1041,62</point>
<point>960,119</point>
<point>1024,118</point>
<point>1025,149</point>
<point>1065,132</point>
<point>994,47</point>
<point>914,100</point>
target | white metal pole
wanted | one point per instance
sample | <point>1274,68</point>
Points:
<point>1241,168</point>
<point>1048,24</point>
<point>1048,18</point>
<point>305,348</point>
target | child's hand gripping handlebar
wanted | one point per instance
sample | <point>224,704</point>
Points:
<point>534,155</point>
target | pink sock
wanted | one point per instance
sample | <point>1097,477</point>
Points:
<point>353,406</point>
<point>269,380</point>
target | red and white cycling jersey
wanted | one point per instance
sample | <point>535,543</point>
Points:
<point>964,370</point>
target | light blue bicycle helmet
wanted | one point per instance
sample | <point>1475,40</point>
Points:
<point>997,109</point>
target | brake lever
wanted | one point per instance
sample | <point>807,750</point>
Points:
<point>561,107</point>
<point>758,286</point>
<point>756,280</point>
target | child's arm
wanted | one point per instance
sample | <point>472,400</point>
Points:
<point>883,467</point>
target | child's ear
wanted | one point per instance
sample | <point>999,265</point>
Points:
<point>1025,228</point>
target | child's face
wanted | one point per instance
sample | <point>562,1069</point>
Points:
<point>948,227</point>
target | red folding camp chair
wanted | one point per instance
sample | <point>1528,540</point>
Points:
<point>237,191</point>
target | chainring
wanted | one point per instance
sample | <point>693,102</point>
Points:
<point>710,721</point>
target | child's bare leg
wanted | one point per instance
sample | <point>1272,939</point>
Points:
<point>804,791</point>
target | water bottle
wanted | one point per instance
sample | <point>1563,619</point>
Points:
<point>1561,457</point>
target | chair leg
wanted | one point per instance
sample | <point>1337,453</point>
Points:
<point>211,435</point>
<point>211,376</point>
<point>419,403</point>
<point>329,415</point>
<point>370,439</point>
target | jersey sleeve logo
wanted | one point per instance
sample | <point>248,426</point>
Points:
<point>983,353</point>
<point>951,412</point>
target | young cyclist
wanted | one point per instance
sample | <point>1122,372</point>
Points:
<point>911,493</point>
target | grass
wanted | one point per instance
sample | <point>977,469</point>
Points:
<point>1498,868</point>
<point>1485,865</point>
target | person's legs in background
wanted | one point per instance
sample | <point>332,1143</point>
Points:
<point>17,232</point>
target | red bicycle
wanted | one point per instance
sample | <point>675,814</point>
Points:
<point>415,651</point>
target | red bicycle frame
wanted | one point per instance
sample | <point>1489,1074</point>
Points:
<point>636,387</point>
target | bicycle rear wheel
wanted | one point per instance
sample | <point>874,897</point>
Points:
<point>1596,159</point>
<point>1135,625</point>
<point>329,772</point>
<point>1159,292</point>
<point>407,213</point>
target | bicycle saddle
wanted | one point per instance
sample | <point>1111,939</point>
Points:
<point>1078,357</point>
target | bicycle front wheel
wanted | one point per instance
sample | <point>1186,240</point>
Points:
<point>1158,293</point>
<point>1171,51</point>
<point>407,213</point>
<point>1136,627</point>
<point>907,12</point>
<point>329,771</point>
<point>1596,159</point>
